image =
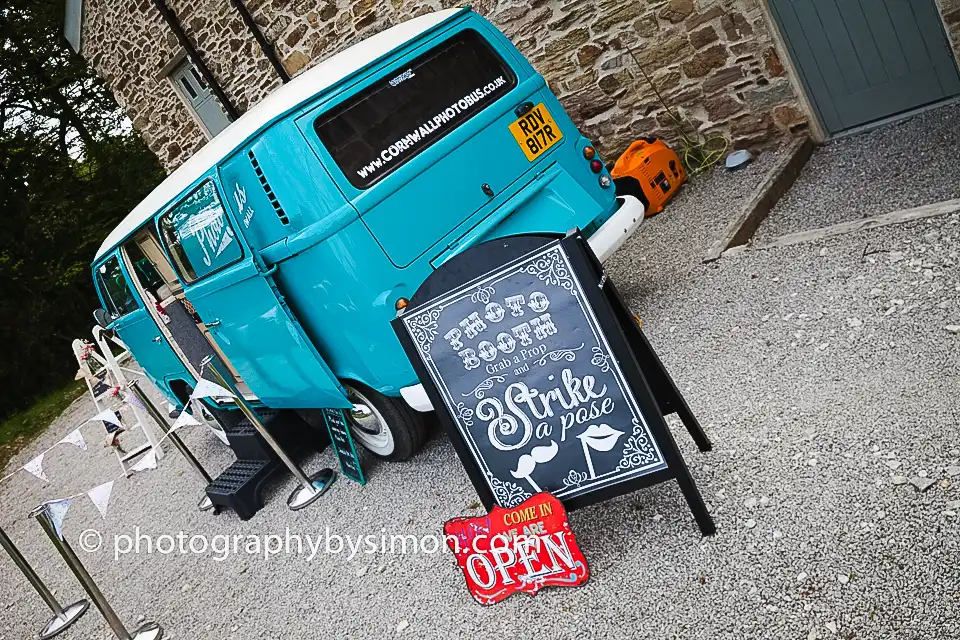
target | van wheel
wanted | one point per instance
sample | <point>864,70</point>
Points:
<point>385,426</point>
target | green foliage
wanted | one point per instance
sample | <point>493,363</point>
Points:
<point>23,426</point>
<point>46,90</point>
<point>69,171</point>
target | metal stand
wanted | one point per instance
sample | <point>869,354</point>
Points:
<point>149,631</point>
<point>205,504</point>
<point>311,487</point>
<point>63,617</point>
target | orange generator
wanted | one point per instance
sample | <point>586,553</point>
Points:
<point>650,171</point>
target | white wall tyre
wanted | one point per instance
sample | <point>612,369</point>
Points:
<point>384,426</point>
<point>369,426</point>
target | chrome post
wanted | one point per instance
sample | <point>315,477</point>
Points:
<point>149,631</point>
<point>148,406</point>
<point>311,487</point>
<point>63,617</point>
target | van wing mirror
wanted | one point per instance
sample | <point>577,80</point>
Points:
<point>102,318</point>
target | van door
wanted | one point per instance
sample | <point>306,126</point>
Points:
<point>238,302</point>
<point>156,283</point>
<point>135,326</point>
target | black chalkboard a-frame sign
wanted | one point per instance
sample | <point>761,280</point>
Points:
<point>543,379</point>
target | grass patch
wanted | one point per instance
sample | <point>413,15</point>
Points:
<point>19,429</point>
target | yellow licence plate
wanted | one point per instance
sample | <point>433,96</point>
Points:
<point>536,132</point>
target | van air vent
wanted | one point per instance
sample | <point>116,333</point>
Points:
<point>267,190</point>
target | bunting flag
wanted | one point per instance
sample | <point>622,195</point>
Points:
<point>207,389</point>
<point>217,431</point>
<point>184,420</point>
<point>35,467</point>
<point>106,416</point>
<point>75,438</point>
<point>100,496</point>
<point>214,426</point>
<point>132,399</point>
<point>57,511</point>
<point>148,461</point>
<point>83,374</point>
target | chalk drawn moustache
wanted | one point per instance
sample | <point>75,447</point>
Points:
<point>528,462</point>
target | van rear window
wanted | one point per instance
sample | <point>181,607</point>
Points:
<point>414,106</point>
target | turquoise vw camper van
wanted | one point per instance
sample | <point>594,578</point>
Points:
<point>283,247</point>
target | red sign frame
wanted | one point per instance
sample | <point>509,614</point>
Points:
<point>521,549</point>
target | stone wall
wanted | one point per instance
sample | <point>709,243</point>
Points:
<point>713,61</point>
<point>950,10</point>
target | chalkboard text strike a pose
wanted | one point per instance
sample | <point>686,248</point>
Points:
<point>579,403</point>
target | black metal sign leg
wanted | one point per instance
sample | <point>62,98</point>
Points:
<point>679,470</point>
<point>693,426</point>
<point>652,367</point>
<point>695,500</point>
<point>661,384</point>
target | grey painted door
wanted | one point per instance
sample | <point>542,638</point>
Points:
<point>200,97</point>
<point>863,60</point>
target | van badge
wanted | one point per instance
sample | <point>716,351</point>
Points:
<point>406,75</point>
<point>240,195</point>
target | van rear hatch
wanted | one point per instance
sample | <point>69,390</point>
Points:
<point>443,100</point>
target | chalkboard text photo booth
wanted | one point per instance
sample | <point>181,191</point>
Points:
<point>543,379</point>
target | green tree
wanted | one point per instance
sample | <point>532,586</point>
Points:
<point>47,90</point>
<point>70,169</point>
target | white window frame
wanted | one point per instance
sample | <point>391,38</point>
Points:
<point>73,23</point>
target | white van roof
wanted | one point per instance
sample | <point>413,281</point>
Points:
<point>289,96</point>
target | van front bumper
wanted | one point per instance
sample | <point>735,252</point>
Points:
<point>604,242</point>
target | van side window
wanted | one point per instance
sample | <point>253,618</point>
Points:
<point>198,235</point>
<point>415,105</point>
<point>114,288</point>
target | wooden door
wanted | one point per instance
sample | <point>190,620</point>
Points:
<point>864,60</point>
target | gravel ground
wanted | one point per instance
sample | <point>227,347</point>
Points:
<point>898,166</point>
<point>822,375</point>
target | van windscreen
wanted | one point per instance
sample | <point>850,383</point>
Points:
<point>414,106</point>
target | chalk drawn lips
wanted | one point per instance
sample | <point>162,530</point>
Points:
<point>601,437</point>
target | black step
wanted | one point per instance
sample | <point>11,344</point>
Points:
<point>240,486</point>
<point>248,444</point>
<point>286,426</point>
<point>236,421</point>
<point>246,441</point>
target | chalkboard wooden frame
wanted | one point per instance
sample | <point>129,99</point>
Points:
<point>652,387</point>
